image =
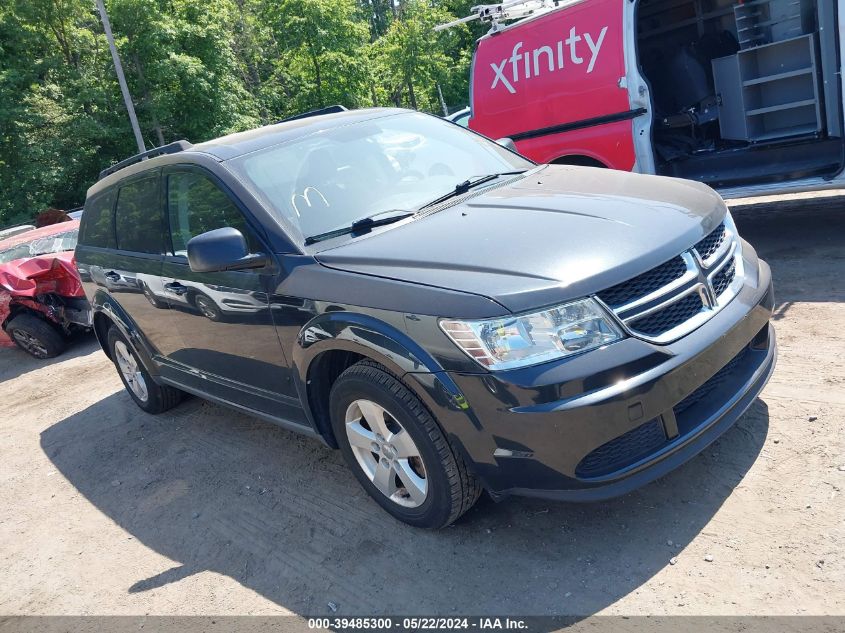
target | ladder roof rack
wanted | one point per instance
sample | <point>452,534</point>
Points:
<point>508,10</point>
<point>170,148</point>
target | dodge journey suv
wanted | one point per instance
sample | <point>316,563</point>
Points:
<point>451,316</point>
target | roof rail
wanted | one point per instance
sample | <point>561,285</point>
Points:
<point>170,148</point>
<point>327,110</point>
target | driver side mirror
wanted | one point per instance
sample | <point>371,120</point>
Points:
<point>507,143</point>
<point>222,249</point>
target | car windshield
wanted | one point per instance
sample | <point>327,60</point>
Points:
<point>327,180</point>
<point>42,246</point>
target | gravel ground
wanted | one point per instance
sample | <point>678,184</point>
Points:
<point>107,510</point>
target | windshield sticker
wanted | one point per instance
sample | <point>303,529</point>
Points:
<point>306,197</point>
<point>575,49</point>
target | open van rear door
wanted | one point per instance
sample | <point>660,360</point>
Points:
<point>558,80</point>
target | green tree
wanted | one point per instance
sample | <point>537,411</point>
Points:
<point>411,58</point>
<point>198,69</point>
<point>58,106</point>
<point>182,67</point>
<point>319,52</point>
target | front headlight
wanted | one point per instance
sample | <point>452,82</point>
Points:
<point>529,339</point>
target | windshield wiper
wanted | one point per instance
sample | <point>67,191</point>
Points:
<point>462,187</point>
<point>361,225</point>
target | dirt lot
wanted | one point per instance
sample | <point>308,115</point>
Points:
<point>107,510</point>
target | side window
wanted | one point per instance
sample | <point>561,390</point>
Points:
<point>97,225</point>
<point>137,217</point>
<point>196,205</point>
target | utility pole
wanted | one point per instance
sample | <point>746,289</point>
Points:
<point>442,102</point>
<point>120,78</point>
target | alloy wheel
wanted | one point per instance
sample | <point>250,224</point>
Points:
<point>30,343</point>
<point>386,453</point>
<point>131,372</point>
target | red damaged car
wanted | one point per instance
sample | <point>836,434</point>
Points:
<point>41,299</point>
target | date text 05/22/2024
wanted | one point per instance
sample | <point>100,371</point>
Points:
<point>416,624</point>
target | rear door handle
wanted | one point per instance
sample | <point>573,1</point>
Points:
<point>176,288</point>
<point>112,276</point>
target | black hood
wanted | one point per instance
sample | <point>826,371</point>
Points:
<point>558,233</point>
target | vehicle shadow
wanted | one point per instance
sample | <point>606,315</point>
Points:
<point>15,362</point>
<point>282,515</point>
<point>804,243</point>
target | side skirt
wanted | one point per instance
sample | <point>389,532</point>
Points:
<point>282,422</point>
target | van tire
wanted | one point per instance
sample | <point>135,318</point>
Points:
<point>35,336</point>
<point>159,398</point>
<point>451,488</point>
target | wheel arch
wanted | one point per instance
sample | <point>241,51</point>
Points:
<point>16,308</point>
<point>108,313</point>
<point>330,343</point>
<point>102,325</point>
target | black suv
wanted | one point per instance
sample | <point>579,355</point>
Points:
<point>450,315</point>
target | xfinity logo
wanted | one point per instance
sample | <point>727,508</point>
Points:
<point>546,59</point>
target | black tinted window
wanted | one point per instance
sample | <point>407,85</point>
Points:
<point>97,224</point>
<point>196,205</point>
<point>138,217</point>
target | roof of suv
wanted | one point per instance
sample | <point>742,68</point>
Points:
<point>233,145</point>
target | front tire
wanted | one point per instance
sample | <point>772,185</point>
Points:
<point>35,336</point>
<point>396,449</point>
<point>147,394</point>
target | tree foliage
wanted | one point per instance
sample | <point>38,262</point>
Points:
<point>198,69</point>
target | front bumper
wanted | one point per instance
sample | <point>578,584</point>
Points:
<point>612,420</point>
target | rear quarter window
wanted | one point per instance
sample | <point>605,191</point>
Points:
<point>97,223</point>
<point>137,217</point>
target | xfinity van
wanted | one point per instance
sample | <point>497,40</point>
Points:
<point>745,96</point>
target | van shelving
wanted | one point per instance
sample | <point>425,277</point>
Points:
<point>756,85</point>
<point>765,21</point>
<point>698,16</point>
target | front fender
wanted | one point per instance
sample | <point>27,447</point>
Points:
<point>385,344</point>
<point>362,334</point>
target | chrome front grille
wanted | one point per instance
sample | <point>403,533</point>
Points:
<point>709,246</point>
<point>669,317</point>
<point>646,283</point>
<point>722,280</point>
<point>671,300</point>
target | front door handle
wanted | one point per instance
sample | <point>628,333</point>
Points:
<point>176,288</point>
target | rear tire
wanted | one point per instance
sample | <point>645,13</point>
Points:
<point>35,336</point>
<point>396,449</point>
<point>147,394</point>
